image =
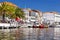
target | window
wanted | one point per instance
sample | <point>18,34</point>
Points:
<point>32,14</point>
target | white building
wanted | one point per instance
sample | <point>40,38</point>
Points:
<point>49,17</point>
<point>57,18</point>
<point>26,11</point>
<point>32,16</point>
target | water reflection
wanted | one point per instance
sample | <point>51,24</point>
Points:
<point>30,34</point>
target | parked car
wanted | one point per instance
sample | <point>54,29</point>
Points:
<point>28,24</point>
<point>36,25</point>
<point>52,25</point>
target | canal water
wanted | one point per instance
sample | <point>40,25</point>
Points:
<point>30,34</point>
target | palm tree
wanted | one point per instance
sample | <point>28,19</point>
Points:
<point>19,13</point>
<point>10,11</point>
<point>6,10</point>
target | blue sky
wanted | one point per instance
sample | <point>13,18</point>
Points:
<point>42,5</point>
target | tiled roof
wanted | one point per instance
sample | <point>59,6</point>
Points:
<point>50,13</point>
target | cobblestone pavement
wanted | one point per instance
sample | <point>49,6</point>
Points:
<point>34,33</point>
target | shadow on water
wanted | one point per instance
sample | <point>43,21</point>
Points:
<point>29,34</point>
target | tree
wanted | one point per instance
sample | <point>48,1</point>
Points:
<point>10,11</point>
<point>6,10</point>
<point>19,13</point>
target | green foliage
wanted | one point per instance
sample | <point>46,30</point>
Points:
<point>7,8</point>
<point>11,11</point>
<point>19,13</point>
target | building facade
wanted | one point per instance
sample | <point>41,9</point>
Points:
<point>49,17</point>
<point>57,18</point>
<point>32,15</point>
